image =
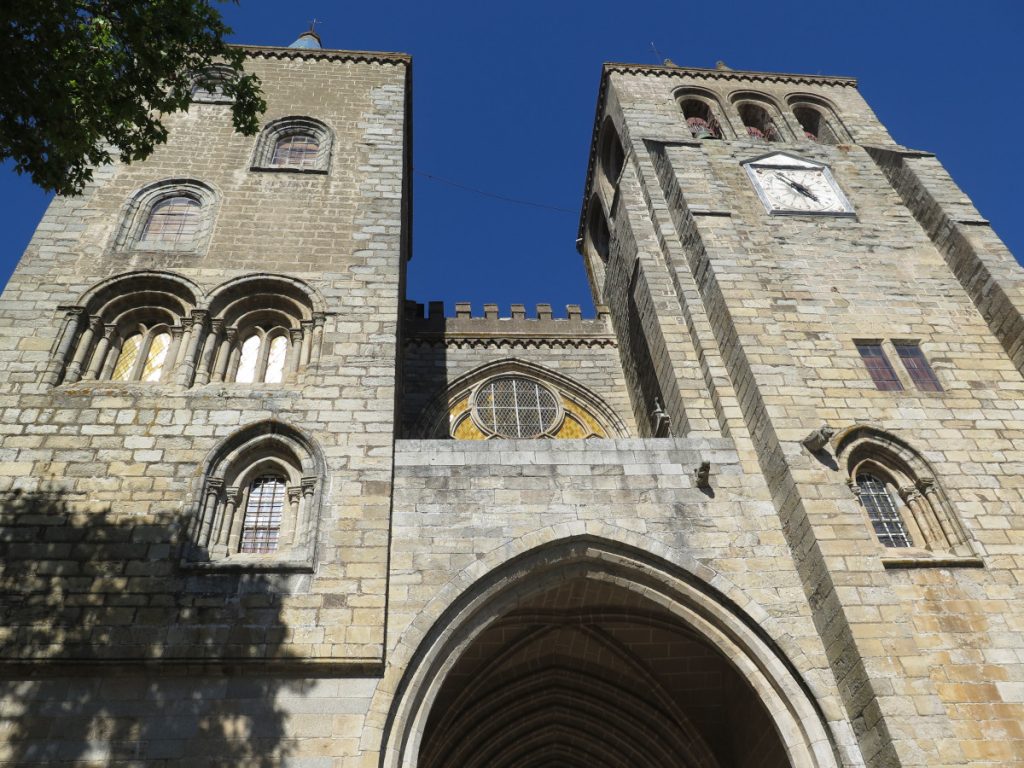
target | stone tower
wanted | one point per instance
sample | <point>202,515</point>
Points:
<point>762,510</point>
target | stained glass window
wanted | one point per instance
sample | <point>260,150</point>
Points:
<point>296,151</point>
<point>878,366</point>
<point>275,360</point>
<point>516,407</point>
<point>126,360</point>
<point>882,511</point>
<point>172,220</point>
<point>917,366</point>
<point>262,522</point>
<point>249,360</point>
<point>156,357</point>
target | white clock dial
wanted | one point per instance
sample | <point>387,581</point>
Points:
<point>792,185</point>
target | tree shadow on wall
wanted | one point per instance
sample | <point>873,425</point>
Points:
<point>110,656</point>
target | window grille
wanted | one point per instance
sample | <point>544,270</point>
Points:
<point>917,366</point>
<point>262,523</point>
<point>296,151</point>
<point>515,407</point>
<point>172,220</point>
<point>878,366</point>
<point>882,511</point>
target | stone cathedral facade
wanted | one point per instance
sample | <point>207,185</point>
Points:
<point>765,509</point>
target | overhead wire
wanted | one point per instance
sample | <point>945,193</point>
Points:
<point>484,193</point>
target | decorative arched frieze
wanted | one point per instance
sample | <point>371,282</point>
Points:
<point>168,215</point>
<point>130,327</point>
<point>294,144</point>
<point>256,504</point>
<point>904,502</point>
<point>475,406</point>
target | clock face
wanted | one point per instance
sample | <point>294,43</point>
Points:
<point>788,184</point>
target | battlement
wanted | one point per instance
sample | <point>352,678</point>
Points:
<point>427,324</point>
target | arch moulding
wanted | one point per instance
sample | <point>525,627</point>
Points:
<point>696,595</point>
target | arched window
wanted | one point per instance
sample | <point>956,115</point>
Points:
<point>172,220</point>
<point>700,119</point>
<point>815,124</point>
<point>257,504</point>
<point>171,215</point>
<point>296,151</point>
<point>610,153</point>
<point>598,238</point>
<point>759,123</point>
<point>296,144</point>
<point>135,327</point>
<point>876,494</point>
<point>208,86</point>
<point>513,399</point>
<point>264,508</point>
<point>902,502</point>
<point>702,111</point>
<point>262,357</point>
<point>265,330</point>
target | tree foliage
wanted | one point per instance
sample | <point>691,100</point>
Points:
<point>87,80</point>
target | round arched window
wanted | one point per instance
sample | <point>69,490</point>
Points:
<point>515,407</point>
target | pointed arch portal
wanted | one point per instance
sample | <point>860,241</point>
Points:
<point>584,655</point>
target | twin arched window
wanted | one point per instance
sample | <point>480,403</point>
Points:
<point>149,327</point>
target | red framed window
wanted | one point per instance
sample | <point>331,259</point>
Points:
<point>917,366</point>
<point>882,372</point>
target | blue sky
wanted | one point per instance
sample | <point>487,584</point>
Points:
<point>504,97</point>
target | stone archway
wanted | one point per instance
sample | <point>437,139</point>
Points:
<point>582,654</point>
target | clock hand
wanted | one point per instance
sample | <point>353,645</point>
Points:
<point>798,187</point>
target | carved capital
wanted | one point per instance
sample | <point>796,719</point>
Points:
<point>909,493</point>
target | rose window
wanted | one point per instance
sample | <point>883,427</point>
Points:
<point>516,407</point>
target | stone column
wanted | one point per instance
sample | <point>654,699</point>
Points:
<point>290,531</point>
<point>307,342</point>
<point>74,372</point>
<point>231,525</point>
<point>99,357</point>
<point>294,350</point>
<point>953,535</point>
<point>188,365</point>
<point>186,337</point>
<point>224,355</point>
<point>210,513</point>
<point>213,342</point>
<point>926,522</point>
<point>72,322</point>
<point>318,337</point>
<point>171,360</point>
<point>302,533</point>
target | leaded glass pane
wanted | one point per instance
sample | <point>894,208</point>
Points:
<point>250,357</point>
<point>172,220</point>
<point>275,360</point>
<point>126,360</point>
<point>514,407</point>
<point>882,511</point>
<point>917,366</point>
<point>262,522</point>
<point>878,366</point>
<point>296,151</point>
<point>156,357</point>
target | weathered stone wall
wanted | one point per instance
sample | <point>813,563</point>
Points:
<point>924,682</point>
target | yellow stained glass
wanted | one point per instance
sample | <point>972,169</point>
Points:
<point>250,356</point>
<point>126,360</point>
<point>467,430</point>
<point>571,429</point>
<point>156,357</point>
<point>275,360</point>
<point>593,425</point>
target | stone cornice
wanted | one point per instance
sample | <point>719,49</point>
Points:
<point>727,74</point>
<point>511,342</point>
<point>324,54</point>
